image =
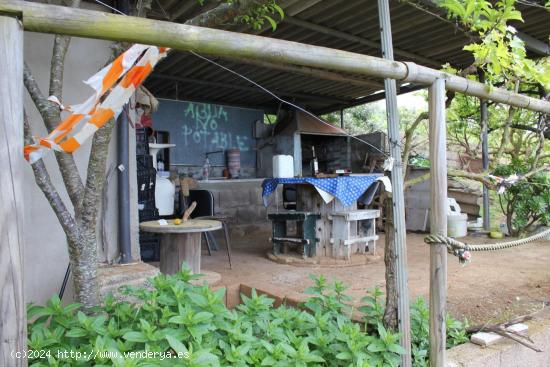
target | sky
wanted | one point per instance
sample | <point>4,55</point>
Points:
<point>412,100</point>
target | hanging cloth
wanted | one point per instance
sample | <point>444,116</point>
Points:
<point>113,86</point>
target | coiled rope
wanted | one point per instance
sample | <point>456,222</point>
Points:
<point>462,250</point>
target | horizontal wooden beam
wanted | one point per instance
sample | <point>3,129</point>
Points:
<point>45,18</point>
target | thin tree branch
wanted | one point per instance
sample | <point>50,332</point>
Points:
<point>60,47</point>
<point>506,133</point>
<point>409,133</point>
<point>479,177</point>
<point>48,110</point>
<point>45,184</point>
<point>51,116</point>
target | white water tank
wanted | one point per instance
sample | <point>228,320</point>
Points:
<point>283,166</point>
<point>164,195</point>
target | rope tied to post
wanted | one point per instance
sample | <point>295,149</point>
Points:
<point>462,250</point>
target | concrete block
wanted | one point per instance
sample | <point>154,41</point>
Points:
<point>111,278</point>
<point>485,339</point>
<point>250,214</point>
<point>507,353</point>
<point>256,196</point>
<point>234,197</point>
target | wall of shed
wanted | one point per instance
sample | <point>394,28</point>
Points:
<point>241,201</point>
<point>417,200</point>
<point>198,129</point>
<point>46,255</point>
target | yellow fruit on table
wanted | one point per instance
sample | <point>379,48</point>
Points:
<point>177,221</point>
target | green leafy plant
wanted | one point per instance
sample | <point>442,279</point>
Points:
<point>420,327</point>
<point>178,323</point>
<point>498,50</point>
<point>528,200</point>
<point>373,311</point>
<point>260,13</point>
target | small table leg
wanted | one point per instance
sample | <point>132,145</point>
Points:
<point>178,248</point>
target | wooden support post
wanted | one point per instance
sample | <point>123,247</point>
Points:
<point>484,122</point>
<point>13,333</point>
<point>438,223</point>
<point>398,197</point>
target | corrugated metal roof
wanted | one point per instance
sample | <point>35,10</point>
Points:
<point>419,34</point>
<point>307,124</point>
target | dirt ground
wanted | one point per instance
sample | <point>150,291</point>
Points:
<point>493,287</point>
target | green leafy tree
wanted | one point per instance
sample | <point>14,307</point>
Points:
<point>527,201</point>
<point>499,50</point>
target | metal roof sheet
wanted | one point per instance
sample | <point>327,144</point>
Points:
<point>419,34</point>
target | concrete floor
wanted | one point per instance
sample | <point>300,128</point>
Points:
<point>493,287</point>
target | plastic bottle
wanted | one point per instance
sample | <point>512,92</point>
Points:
<point>314,163</point>
<point>206,169</point>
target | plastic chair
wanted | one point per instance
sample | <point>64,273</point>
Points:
<point>289,197</point>
<point>368,196</point>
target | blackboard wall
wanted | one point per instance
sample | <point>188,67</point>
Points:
<point>198,128</point>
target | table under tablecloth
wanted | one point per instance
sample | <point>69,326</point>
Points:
<point>347,189</point>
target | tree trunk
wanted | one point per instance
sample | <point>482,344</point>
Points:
<point>390,313</point>
<point>86,260</point>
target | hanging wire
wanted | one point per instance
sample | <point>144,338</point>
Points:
<point>533,4</point>
<point>110,7</point>
<point>163,11</point>
<point>271,93</point>
<point>285,101</point>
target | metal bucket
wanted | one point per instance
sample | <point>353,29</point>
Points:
<point>234,162</point>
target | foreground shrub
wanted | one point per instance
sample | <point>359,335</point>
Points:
<point>178,324</point>
<point>373,311</point>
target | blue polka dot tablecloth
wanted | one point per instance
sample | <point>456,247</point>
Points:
<point>347,189</point>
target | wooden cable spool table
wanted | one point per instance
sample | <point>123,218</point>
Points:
<point>180,242</point>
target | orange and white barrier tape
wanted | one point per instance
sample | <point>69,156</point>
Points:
<point>113,85</point>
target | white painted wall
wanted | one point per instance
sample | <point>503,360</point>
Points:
<point>46,255</point>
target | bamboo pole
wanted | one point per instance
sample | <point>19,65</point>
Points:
<point>13,334</point>
<point>398,199</point>
<point>484,122</point>
<point>92,24</point>
<point>316,73</point>
<point>438,222</point>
